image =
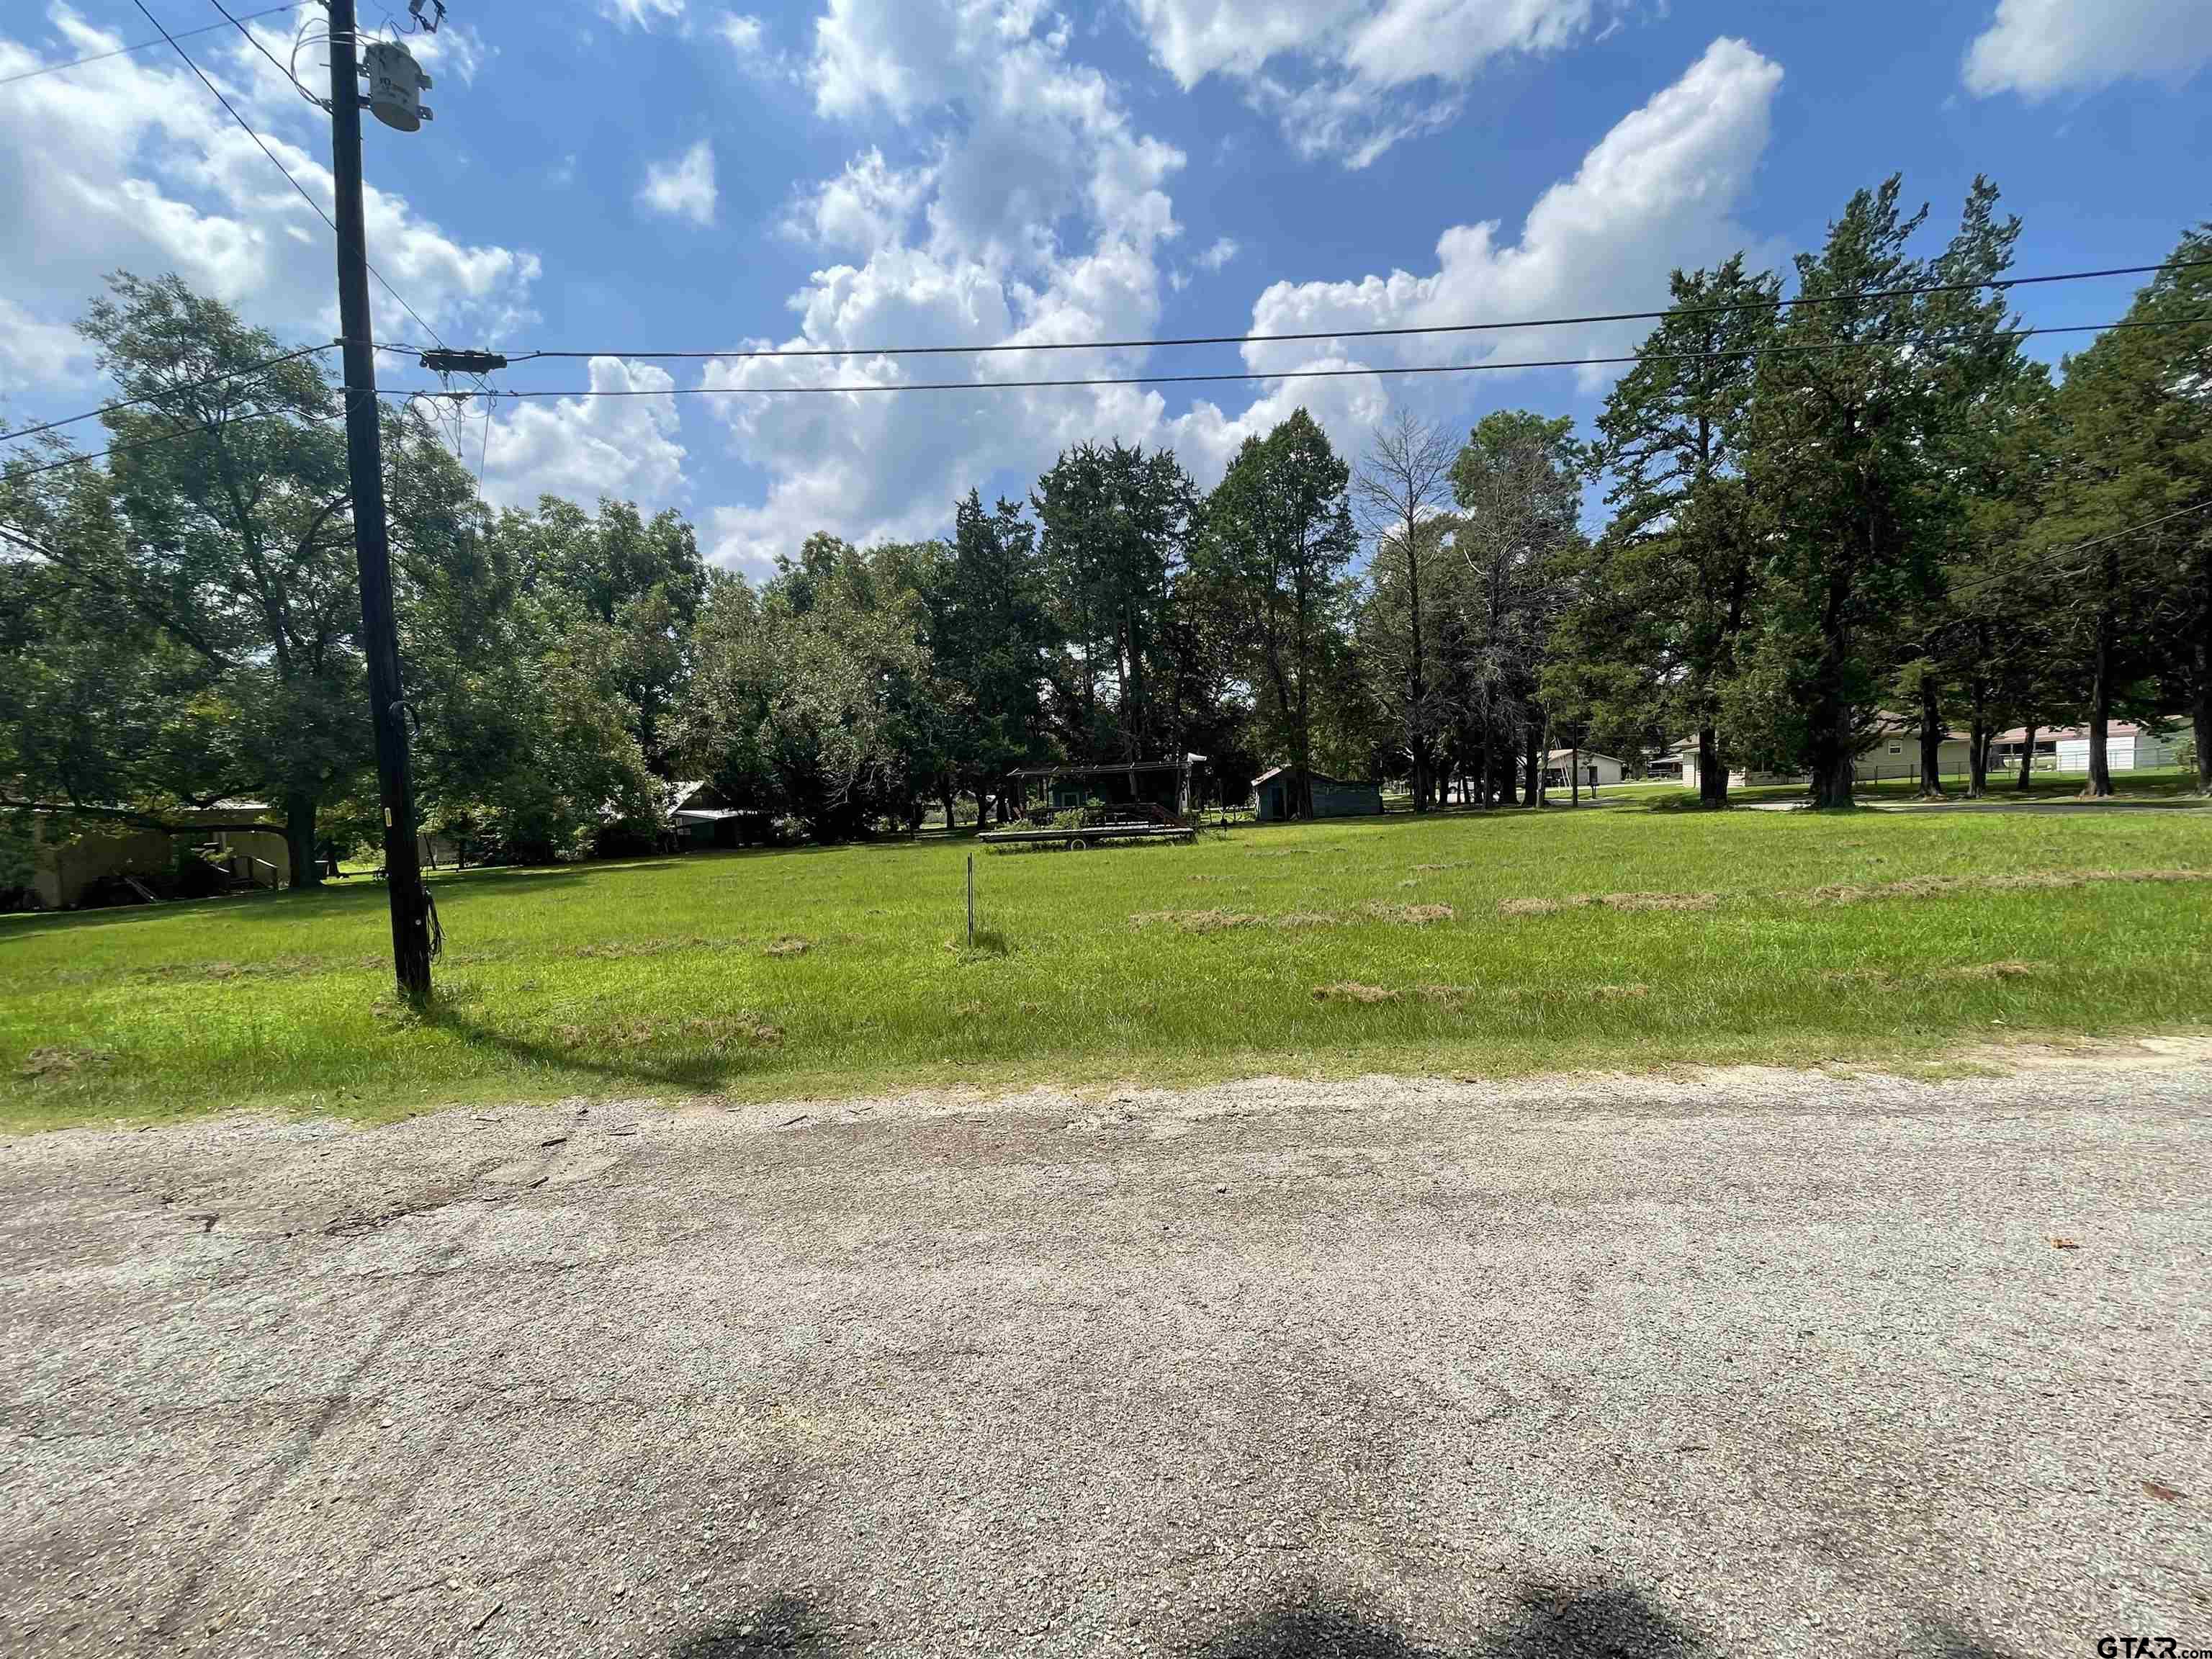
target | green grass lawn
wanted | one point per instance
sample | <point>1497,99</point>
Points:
<point>1453,943</point>
<point>2169,783</point>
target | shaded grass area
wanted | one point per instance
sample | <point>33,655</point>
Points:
<point>1499,943</point>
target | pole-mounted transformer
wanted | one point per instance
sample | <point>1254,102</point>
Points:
<point>395,84</point>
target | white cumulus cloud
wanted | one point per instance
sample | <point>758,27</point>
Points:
<point>1037,212</point>
<point>2038,48</point>
<point>1657,191</point>
<point>129,163</point>
<point>1350,78</point>
<point>682,187</point>
<point>621,444</point>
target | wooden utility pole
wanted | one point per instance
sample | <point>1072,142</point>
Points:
<point>410,901</point>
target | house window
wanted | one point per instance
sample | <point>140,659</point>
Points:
<point>1897,749</point>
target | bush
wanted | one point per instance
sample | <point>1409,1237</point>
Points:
<point>1092,811</point>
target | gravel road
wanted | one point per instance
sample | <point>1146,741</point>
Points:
<point>1740,1362</point>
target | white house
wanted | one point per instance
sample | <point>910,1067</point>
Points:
<point>1596,768</point>
<point>1893,754</point>
<point>2128,747</point>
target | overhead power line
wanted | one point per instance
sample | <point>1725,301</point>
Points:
<point>1229,375</point>
<point>120,51</point>
<point>488,392</point>
<point>254,41</point>
<point>2147,524</point>
<point>166,393</point>
<point>246,127</point>
<point>1397,331</point>
<point>181,433</point>
<point>2004,581</point>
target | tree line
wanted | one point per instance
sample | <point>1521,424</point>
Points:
<point>1860,507</point>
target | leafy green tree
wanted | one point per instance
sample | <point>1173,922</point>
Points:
<point>1278,538</point>
<point>643,577</point>
<point>220,522</point>
<point>1115,526</point>
<point>1855,457</point>
<point>2126,519</point>
<point>991,635</point>
<point>1517,483</point>
<point>1654,635</point>
<point>816,696</point>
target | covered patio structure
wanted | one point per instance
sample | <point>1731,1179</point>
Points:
<point>1161,787</point>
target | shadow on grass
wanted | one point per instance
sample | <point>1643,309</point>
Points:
<point>227,906</point>
<point>697,1073</point>
<point>352,897</point>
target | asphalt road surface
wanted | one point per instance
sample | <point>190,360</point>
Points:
<point>1742,1363</point>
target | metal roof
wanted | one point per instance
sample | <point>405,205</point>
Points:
<point>1103,768</point>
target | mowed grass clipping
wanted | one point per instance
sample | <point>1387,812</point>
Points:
<point>1499,943</point>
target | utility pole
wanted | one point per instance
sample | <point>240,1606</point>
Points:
<point>410,901</point>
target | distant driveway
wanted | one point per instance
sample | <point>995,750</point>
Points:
<point>1744,1363</point>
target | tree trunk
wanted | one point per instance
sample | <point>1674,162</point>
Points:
<point>2200,651</point>
<point>1478,771</point>
<point>2201,710</point>
<point>1712,775</point>
<point>2100,703</point>
<point>1980,737</point>
<point>1832,715</point>
<point>2027,757</point>
<point>300,840</point>
<point>1417,738</point>
<point>2100,785</point>
<point>1531,780</point>
<point>1574,761</point>
<point>1931,743</point>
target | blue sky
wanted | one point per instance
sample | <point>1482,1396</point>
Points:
<point>635,175</point>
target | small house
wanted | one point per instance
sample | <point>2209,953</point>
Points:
<point>1893,753</point>
<point>699,816</point>
<point>1275,796</point>
<point>2128,747</point>
<point>74,852</point>
<point>1563,768</point>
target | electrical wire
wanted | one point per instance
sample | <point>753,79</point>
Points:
<point>483,452</point>
<point>1223,376</point>
<point>181,35</point>
<point>2179,512</point>
<point>1971,590</point>
<point>2000,283</point>
<point>247,129</point>
<point>166,392</point>
<point>490,393</point>
<point>147,443</point>
<point>254,41</point>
